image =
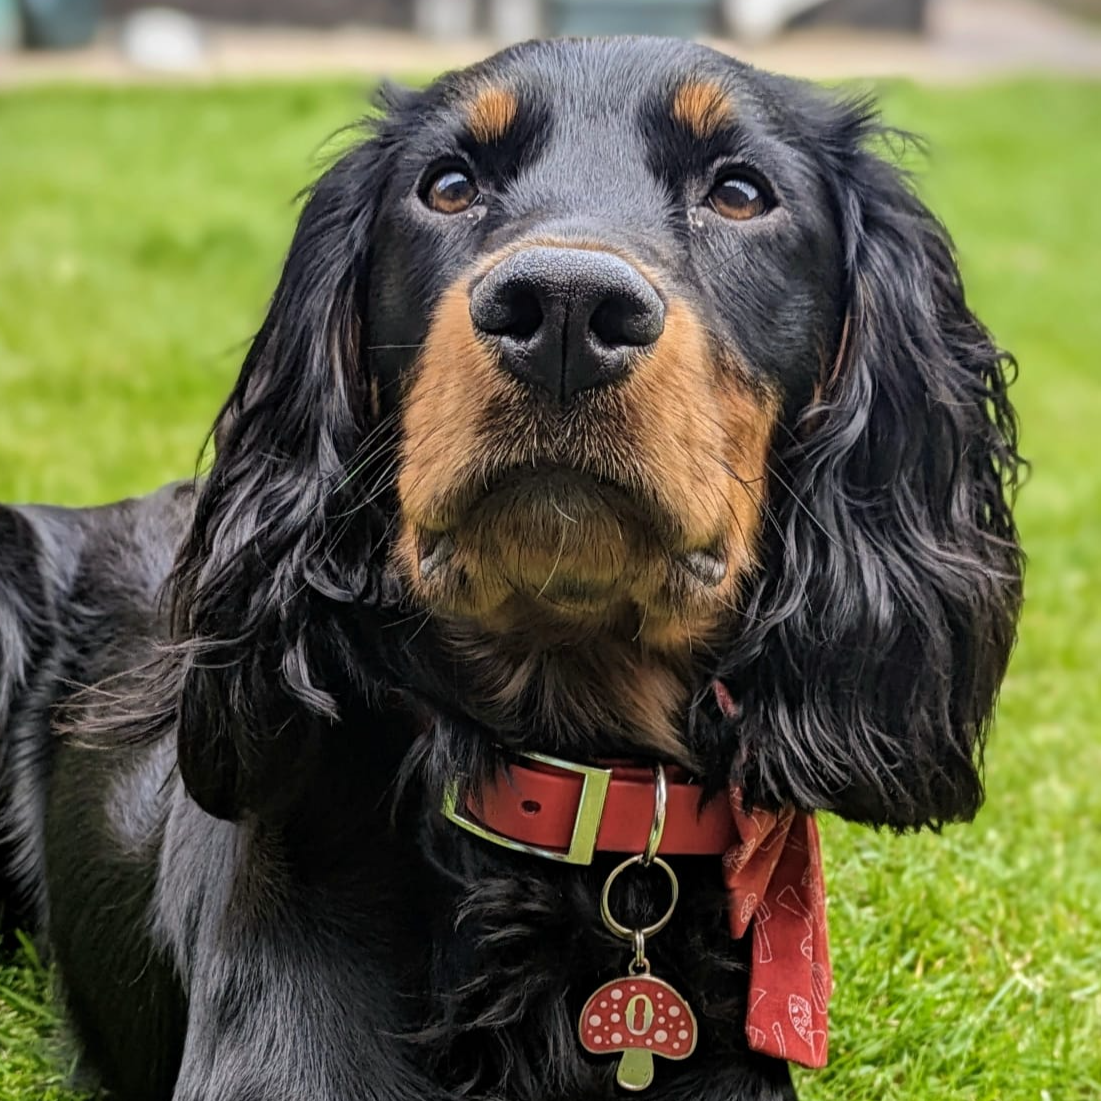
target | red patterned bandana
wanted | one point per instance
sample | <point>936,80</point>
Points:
<point>775,882</point>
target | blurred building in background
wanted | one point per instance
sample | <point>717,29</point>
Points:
<point>70,22</point>
<point>925,39</point>
<point>524,18</point>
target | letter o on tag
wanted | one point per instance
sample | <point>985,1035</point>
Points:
<point>639,1014</point>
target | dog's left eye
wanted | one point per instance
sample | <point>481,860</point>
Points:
<point>739,198</point>
<point>450,191</point>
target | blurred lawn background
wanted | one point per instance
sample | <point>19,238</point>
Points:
<point>141,232</point>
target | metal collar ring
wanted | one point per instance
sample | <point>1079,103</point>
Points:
<point>622,931</point>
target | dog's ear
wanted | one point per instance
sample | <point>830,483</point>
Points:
<point>27,626</point>
<point>879,634</point>
<point>287,530</point>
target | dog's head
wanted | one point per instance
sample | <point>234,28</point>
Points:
<point>623,290</point>
<point>630,367</point>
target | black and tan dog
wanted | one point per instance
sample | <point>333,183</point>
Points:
<point>605,382</point>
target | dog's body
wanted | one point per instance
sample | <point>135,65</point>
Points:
<point>140,877</point>
<point>447,517</point>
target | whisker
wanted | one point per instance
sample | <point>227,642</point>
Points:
<point>564,515</point>
<point>557,562</point>
<point>795,497</point>
<point>428,614</point>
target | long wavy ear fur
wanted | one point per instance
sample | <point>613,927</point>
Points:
<point>875,645</point>
<point>286,523</point>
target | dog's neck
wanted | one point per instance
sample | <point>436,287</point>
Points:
<point>577,694</point>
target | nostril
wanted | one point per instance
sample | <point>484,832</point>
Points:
<point>622,320</point>
<point>506,309</point>
<point>525,315</point>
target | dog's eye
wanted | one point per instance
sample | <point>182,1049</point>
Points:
<point>451,192</point>
<point>738,197</point>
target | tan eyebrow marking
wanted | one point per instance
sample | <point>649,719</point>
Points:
<point>491,114</point>
<point>703,107</point>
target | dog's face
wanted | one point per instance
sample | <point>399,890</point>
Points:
<point>619,273</point>
<point>607,371</point>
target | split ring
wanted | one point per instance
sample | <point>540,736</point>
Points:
<point>622,931</point>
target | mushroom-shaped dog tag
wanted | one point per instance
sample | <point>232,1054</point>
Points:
<point>640,1017</point>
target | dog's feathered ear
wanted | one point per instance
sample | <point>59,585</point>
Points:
<point>877,640</point>
<point>285,524</point>
<point>27,616</point>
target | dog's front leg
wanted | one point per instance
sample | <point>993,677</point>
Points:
<point>290,978</point>
<point>289,1020</point>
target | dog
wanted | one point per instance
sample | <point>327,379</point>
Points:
<point>619,425</point>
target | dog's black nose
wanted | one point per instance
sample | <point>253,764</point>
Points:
<point>567,319</point>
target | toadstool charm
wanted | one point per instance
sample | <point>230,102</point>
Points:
<point>639,1017</point>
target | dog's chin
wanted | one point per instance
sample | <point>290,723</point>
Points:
<point>560,550</point>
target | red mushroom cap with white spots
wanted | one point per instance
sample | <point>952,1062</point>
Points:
<point>638,1011</point>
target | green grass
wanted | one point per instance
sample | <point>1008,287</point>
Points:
<point>140,233</point>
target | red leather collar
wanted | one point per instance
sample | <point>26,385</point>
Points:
<point>538,804</point>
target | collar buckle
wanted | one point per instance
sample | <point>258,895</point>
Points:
<point>590,810</point>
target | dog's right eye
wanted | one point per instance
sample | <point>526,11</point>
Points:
<point>450,191</point>
<point>738,197</point>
